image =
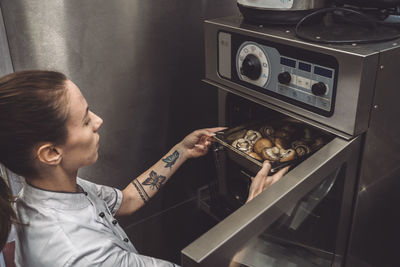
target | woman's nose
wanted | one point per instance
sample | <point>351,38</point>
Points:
<point>98,122</point>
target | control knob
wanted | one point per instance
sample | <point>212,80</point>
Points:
<point>251,67</point>
<point>284,77</point>
<point>319,89</point>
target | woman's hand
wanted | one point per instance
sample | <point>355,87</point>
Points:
<point>262,181</point>
<point>198,142</point>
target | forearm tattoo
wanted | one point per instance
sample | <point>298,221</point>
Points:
<point>171,159</point>
<point>141,190</point>
<point>154,180</point>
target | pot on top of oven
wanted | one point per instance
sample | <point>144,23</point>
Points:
<point>279,12</point>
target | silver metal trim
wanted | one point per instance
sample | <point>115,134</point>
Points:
<point>217,246</point>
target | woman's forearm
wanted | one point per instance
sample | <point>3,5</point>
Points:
<point>142,188</point>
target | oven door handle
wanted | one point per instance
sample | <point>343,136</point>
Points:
<point>219,245</point>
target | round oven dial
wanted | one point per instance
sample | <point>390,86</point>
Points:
<point>252,64</point>
<point>251,67</point>
<point>319,89</point>
<point>284,77</point>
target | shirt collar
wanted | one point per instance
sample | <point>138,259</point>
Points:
<point>54,199</point>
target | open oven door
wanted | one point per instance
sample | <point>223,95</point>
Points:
<point>302,220</point>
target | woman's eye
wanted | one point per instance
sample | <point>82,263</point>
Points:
<point>87,123</point>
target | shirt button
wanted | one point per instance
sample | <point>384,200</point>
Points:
<point>114,222</point>
<point>126,240</point>
<point>85,193</point>
<point>101,214</point>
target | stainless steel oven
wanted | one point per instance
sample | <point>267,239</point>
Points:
<point>319,213</point>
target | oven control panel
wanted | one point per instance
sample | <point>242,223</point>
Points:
<point>304,78</point>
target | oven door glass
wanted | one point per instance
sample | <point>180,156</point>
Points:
<point>302,220</point>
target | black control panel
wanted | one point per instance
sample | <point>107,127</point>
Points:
<point>307,79</point>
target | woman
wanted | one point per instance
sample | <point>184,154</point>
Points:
<point>48,132</point>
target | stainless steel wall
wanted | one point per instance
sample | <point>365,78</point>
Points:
<point>139,65</point>
<point>5,59</point>
<point>375,230</point>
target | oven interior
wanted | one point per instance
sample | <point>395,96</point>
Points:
<point>305,234</point>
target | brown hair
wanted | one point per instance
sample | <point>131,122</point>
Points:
<point>33,109</point>
<point>7,214</point>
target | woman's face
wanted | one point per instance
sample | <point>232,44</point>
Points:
<point>81,146</point>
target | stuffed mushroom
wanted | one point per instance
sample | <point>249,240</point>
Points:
<point>301,148</point>
<point>261,144</point>
<point>255,155</point>
<point>282,134</point>
<point>287,155</point>
<point>253,136</point>
<point>267,131</point>
<point>243,145</point>
<point>271,154</point>
<point>281,143</point>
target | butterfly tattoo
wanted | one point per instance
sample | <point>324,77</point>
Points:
<point>154,180</point>
<point>171,159</point>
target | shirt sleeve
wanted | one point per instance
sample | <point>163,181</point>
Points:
<point>111,196</point>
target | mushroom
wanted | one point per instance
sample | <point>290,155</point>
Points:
<point>301,148</point>
<point>307,134</point>
<point>236,135</point>
<point>261,144</point>
<point>281,143</point>
<point>289,128</point>
<point>243,145</point>
<point>318,143</point>
<point>272,154</point>
<point>252,136</point>
<point>254,155</point>
<point>267,130</point>
<point>287,155</point>
<point>282,134</point>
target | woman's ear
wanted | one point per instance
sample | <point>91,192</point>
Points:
<point>49,154</point>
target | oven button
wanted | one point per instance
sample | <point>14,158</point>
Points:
<point>319,88</point>
<point>284,77</point>
<point>251,67</point>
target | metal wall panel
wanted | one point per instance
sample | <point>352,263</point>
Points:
<point>139,65</point>
<point>375,230</point>
<point>5,59</point>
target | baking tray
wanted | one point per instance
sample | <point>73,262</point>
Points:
<point>299,131</point>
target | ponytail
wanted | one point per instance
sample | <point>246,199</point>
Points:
<point>7,213</point>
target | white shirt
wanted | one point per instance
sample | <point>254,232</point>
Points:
<point>74,229</point>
